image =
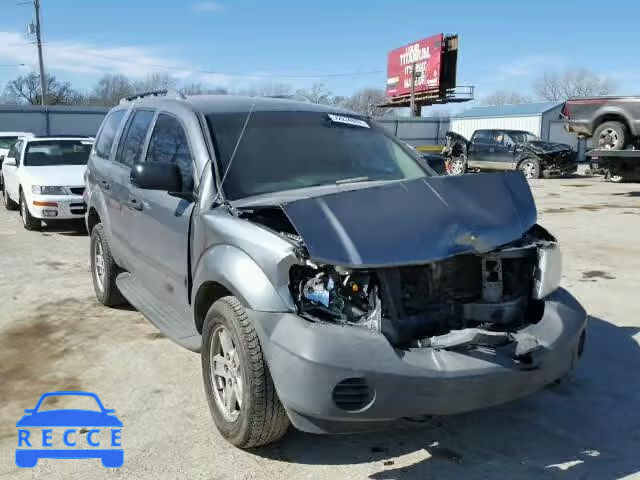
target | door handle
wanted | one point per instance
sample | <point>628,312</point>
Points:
<point>106,185</point>
<point>135,203</point>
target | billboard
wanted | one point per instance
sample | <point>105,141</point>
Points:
<point>427,55</point>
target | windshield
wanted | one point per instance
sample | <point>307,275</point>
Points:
<point>523,137</point>
<point>289,150</point>
<point>57,152</point>
<point>76,402</point>
<point>7,142</point>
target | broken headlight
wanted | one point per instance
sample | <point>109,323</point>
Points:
<point>342,297</point>
<point>548,272</point>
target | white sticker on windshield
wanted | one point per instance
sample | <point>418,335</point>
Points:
<point>356,122</point>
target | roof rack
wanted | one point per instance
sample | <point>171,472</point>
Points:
<point>154,93</point>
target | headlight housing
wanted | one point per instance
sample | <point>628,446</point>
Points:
<point>48,190</point>
<point>548,272</point>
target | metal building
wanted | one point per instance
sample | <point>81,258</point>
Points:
<point>541,119</point>
<point>51,120</point>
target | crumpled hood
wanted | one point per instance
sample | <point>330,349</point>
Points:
<point>416,221</point>
<point>542,147</point>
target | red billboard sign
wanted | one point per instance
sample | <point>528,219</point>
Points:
<point>427,55</point>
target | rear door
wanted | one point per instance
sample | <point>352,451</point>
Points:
<point>128,153</point>
<point>99,175</point>
<point>503,155</point>
<point>161,225</point>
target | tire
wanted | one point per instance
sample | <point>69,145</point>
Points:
<point>8,203</point>
<point>458,165</point>
<point>613,178</point>
<point>258,418</point>
<point>610,136</point>
<point>28,221</point>
<point>104,285</point>
<point>530,167</point>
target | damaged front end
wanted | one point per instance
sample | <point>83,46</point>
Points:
<point>555,157</point>
<point>463,301</point>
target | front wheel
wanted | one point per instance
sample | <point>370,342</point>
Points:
<point>530,168</point>
<point>28,221</point>
<point>242,398</point>
<point>458,165</point>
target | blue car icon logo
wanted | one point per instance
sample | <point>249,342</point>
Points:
<point>44,431</point>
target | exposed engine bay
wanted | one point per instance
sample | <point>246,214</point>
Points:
<point>414,305</point>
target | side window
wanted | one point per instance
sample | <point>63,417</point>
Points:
<point>132,141</point>
<point>169,144</point>
<point>108,133</point>
<point>483,136</point>
<point>14,151</point>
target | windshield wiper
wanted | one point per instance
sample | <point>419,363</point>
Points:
<point>352,180</point>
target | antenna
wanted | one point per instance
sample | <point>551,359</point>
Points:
<point>233,155</point>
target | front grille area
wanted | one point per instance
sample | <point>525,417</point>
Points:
<point>352,394</point>
<point>77,190</point>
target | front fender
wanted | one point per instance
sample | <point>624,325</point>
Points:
<point>241,275</point>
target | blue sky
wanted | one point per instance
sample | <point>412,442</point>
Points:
<point>503,44</point>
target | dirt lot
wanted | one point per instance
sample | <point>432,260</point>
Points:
<point>53,335</point>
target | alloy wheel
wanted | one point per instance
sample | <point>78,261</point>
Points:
<point>98,264</point>
<point>226,374</point>
<point>529,169</point>
<point>457,166</point>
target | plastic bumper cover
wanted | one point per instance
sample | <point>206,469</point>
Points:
<point>307,360</point>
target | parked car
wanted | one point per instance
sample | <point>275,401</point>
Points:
<point>7,139</point>
<point>612,122</point>
<point>44,176</point>
<point>326,276</point>
<point>508,150</point>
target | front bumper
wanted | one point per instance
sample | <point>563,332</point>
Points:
<point>66,207</point>
<point>307,360</point>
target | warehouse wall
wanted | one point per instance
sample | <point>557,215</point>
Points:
<point>466,126</point>
<point>54,120</point>
<point>420,131</point>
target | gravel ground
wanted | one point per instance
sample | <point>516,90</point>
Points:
<point>54,336</point>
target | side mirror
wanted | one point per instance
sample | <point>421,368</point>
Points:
<point>28,410</point>
<point>9,161</point>
<point>157,176</point>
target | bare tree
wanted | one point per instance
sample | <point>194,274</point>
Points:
<point>317,93</point>
<point>505,97</point>
<point>26,89</point>
<point>155,81</point>
<point>269,89</point>
<point>199,89</point>
<point>366,101</point>
<point>554,86</point>
<point>110,89</point>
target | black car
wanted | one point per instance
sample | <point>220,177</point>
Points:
<point>508,150</point>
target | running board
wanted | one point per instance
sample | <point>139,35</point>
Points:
<point>166,319</point>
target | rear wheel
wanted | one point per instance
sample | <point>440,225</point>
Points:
<point>530,167</point>
<point>8,203</point>
<point>104,269</point>
<point>242,398</point>
<point>610,136</point>
<point>28,221</point>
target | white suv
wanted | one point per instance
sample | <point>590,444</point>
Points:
<point>45,176</point>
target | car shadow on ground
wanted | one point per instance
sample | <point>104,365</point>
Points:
<point>71,229</point>
<point>586,426</point>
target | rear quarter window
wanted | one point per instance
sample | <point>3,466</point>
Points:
<point>108,132</point>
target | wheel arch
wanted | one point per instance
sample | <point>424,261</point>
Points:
<point>226,270</point>
<point>614,117</point>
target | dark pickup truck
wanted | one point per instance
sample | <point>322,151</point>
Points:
<point>612,122</point>
<point>508,150</point>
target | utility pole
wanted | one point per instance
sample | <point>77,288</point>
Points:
<point>415,110</point>
<point>43,81</point>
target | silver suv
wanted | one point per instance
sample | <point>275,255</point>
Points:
<point>327,275</point>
